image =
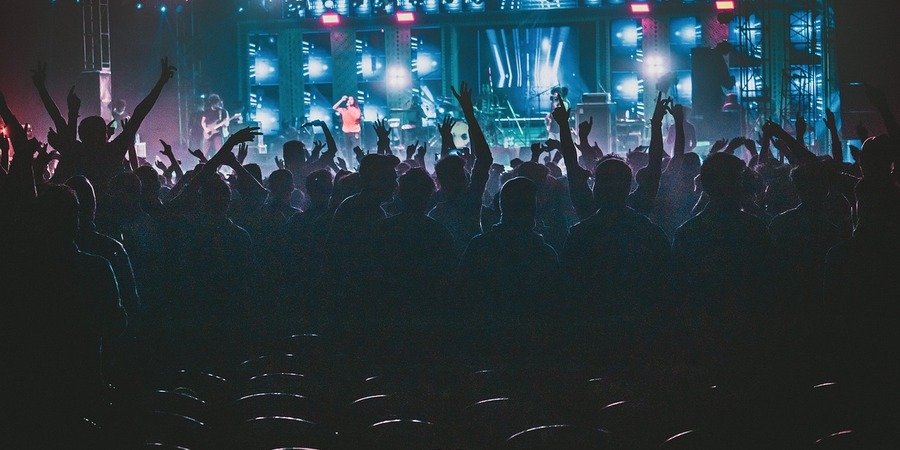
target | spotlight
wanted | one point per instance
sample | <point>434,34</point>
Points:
<point>405,17</point>
<point>725,5</point>
<point>139,6</point>
<point>331,18</point>
<point>640,8</point>
<point>162,8</point>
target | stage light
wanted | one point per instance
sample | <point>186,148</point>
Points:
<point>640,8</point>
<point>405,17</point>
<point>654,65</point>
<point>398,77</point>
<point>162,8</point>
<point>139,6</point>
<point>331,18</point>
<point>316,68</point>
<point>629,89</point>
<point>725,5</point>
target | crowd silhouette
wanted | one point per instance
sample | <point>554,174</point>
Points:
<point>616,298</point>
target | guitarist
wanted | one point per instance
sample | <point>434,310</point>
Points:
<point>214,123</point>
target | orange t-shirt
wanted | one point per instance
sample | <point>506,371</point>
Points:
<point>350,120</point>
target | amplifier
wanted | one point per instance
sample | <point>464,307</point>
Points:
<point>595,97</point>
<point>604,130</point>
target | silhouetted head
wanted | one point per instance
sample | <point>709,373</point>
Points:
<point>875,157</point>
<point>254,170</point>
<point>215,196</point>
<point>518,202</point>
<point>415,189</point>
<point>612,182</point>
<point>535,172</point>
<point>56,214</point>
<point>345,185</point>
<point>319,185</point>
<point>87,198</point>
<point>451,174</point>
<point>119,106</point>
<point>281,183</point>
<point>149,182</point>
<point>402,168</point>
<point>92,131</point>
<point>378,176</point>
<point>293,153</point>
<point>690,165</point>
<point>125,187</point>
<point>811,182</point>
<point>720,176</point>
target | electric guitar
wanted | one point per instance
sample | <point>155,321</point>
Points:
<point>210,130</point>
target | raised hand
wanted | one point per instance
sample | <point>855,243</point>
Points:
<point>584,128</point>
<point>242,153</point>
<point>411,150</point>
<point>381,129</point>
<point>246,134</point>
<point>167,150</point>
<point>801,126</point>
<point>72,100</point>
<point>464,97</point>
<point>677,112</point>
<point>561,116</point>
<point>318,146</point>
<point>552,144</point>
<point>663,106</point>
<point>422,150</point>
<point>279,162</point>
<point>341,163</point>
<point>751,146</point>
<point>536,150</point>
<point>167,71</point>
<point>445,128</point>
<point>198,154</point>
<point>39,75</point>
<point>718,145</point>
<point>359,153</point>
<point>4,142</point>
<point>161,166</point>
<point>829,119</point>
<point>734,144</point>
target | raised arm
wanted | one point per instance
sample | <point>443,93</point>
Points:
<point>837,152</point>
<point>337,105</point>
<point>481,149</point>
<point>678,114</point>
<point>579,191</point>
<point>798,151</point>
<point>143,108</point>
<point>21,176</point>
<point>74,104</point>
<point>644,196</point>
<point>445,128</point>
<point>39,78</point>
<point>174,165</point>
<point>383,132</point>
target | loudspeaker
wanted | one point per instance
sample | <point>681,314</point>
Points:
<point>604,130</point>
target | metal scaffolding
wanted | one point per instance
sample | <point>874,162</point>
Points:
<point>785,58</point>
